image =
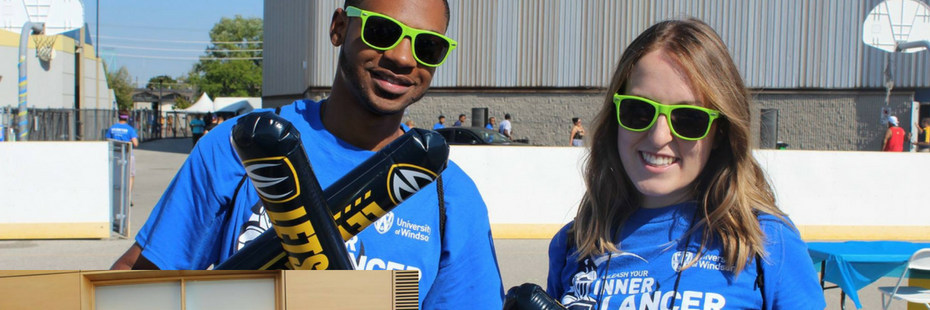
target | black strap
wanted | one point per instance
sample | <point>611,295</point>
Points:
<point>442,208</point>
<point>760,278</point>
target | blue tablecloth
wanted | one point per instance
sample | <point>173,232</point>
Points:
<point>853,265</point>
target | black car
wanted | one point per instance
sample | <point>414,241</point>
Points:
<point>474,136</point>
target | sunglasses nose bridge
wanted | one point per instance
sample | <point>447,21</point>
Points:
<point>402,52</point>
<point>661,130</point>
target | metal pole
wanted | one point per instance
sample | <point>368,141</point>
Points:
<point>902,46</point>
<point>28,28</point>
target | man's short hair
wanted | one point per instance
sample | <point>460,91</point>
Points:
<point>358,3</point>
<point>507,116</point>
<point>461,115</point>
<point>442,116</point>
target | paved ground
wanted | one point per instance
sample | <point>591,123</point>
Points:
<point>521,260</point>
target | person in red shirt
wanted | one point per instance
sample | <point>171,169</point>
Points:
<point>894,136</point>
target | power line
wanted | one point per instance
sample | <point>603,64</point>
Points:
<point>180,41</point>
<point>187,58</point>
<point>177,49</point>
<point>149,27</point>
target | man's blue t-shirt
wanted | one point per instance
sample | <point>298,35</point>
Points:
<point>438,126</point>
<point>643,274</point>
<point>197,126</point>
<point>186,229</point>
<point>121,132</point>
<point>488,126</point>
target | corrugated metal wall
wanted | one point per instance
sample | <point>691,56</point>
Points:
<point>787,44</point>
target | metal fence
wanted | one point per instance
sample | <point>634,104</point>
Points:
<point>121,166</point>
<point>91,124</point>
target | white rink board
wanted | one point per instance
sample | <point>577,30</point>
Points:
<point>54,182</point>
<point>543,185</point>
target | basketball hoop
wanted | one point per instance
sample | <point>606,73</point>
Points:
<point>45,46</point>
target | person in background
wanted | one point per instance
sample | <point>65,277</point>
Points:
<point>677,213</point>
<point>441,123</point>
<point>491,122</point>
<point>409,123</point>
<point>121,131</point>
<point>197,128</point>
<point>894,136</point>
<point>460,122</point>
<point>923,136</point>
<point>576,138</point>
<point>205,217</point>
<point>506,128</point>
<point>218,120</point>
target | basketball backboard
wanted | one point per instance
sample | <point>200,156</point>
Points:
<point>59,16</point>
<point>894,22</point>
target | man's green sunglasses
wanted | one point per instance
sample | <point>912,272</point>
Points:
<point>381,32</point>
<point>687,122</point>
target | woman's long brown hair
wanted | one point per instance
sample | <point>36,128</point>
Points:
<point>731,190</point>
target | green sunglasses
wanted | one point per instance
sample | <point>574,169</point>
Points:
<point>381,32</point>
<point>687,122</point>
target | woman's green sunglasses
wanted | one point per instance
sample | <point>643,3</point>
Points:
<point>381,32</point>
<point>687,122</point>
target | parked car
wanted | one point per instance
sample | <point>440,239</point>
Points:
<point>474,136</point>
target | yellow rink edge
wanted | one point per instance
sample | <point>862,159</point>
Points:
<point>55,230</point>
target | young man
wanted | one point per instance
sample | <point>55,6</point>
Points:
<point>371,89</point>
<point>506,128</point>
<point>923,136</point>
<point>441,123</point>
<point>121,131</point>
<point>894,136</point>
<point>197,128</point>
<point>491,122</point>
<point>460,122</point>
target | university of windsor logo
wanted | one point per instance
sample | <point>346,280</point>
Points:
<point>383,225</point>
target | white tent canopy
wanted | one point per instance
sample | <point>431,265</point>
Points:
<point>237,105</point>
<point>203,105</point>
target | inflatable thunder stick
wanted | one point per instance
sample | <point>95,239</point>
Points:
<point>274,159</point>
<point>362,196</point>
<point>530,296</point>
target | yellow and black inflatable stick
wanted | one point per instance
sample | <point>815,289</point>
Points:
<point>275,160</point>
<point>361,197</point>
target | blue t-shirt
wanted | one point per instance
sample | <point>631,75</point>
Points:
<point>438,126</point>
<point>643,274</point>
<point>488,126</point>
<point>197,126</point>
<point>186,229</point>
<point>121,132</point>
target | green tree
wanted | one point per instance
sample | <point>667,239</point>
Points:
<point>162,81</point>
<point>232,66</point>
<point>121,84</point>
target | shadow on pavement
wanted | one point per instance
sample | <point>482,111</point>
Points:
<point>168,145</point>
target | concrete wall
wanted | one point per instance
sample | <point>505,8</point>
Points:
<point>54,190</point>
<point>808,120</point>
<point>843,121</point>
<point>531,192</point>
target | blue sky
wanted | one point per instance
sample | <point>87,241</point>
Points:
<point>157,21</point>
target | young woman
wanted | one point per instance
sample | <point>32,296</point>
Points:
<point>577,135</point>
<point>677,213</point>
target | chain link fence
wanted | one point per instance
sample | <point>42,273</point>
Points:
<point>91,124</point>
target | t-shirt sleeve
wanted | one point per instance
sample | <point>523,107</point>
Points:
<point>183,229</point>
<point>468,275</point>
<point>558,248</point>
<point>790,279</point>
<point>108,135</point>
<point>133,134</point>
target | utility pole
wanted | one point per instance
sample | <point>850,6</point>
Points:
<point>161,86</point>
